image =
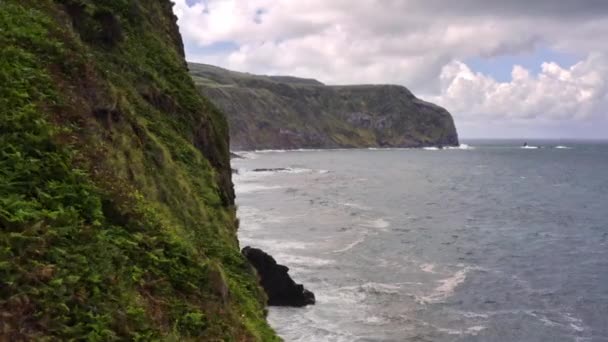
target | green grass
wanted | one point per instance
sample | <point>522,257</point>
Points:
<point>116,214</point>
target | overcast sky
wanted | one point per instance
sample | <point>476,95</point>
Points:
<point>508,68</point>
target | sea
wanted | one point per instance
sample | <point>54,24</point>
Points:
<point>489,241</point>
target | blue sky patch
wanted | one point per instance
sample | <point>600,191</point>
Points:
<point>213,49</point>
<point>500,67</point>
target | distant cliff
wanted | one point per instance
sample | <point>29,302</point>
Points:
<point>282,112</point>
<point>117,215</point>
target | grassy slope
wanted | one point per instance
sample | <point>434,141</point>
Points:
<point>288,112</point>
<point>116,206</point>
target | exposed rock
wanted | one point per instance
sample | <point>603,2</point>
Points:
<point>235,156</point>
<point>218,283</point>
<point>274,278</point>
<point>281,112</point>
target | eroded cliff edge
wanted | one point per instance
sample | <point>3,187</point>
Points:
<point>282,112</point>
<point>117,216</point>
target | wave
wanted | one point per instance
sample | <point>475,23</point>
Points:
<point>245,176</point>
<point>371,288</point>
<point>244,188</point>
<point>284,245</point>
<point>431,148</point>
<point>428,268</point>
<point>352,244</point>
<point>562,147</point>
<point>447,287</point>
<point>529,147</point>
<point>378,223</point>
<point>247,155</point>
<point>575,323</point>
<point>559,319</point>
<point>301,150</point>
<point>248,213</point>
<point>378,288</point>
<point>474,330</point>
<point>289,259</point>
<point>354,205</point>
<point>460,147</point>
<point>244,173</point>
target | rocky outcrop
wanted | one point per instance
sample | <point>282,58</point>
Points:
<point>117,215</point>
<point>274,278</point>
<point>274,112</point>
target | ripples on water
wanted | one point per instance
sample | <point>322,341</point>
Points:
<point>489,242</point>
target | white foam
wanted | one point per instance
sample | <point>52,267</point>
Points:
<point>429,268</point>
<point>354,205</point>
<point>290,259</point>
<point>561,147</point>
<point>574,322</point>
<point>250,226</point>
<point>546,321</point>
<point>270,151</point>
<point>249,214</point>
<point>285,245</point>
<point>571,322</point>
<point>352,244</point>
<point>243,188</point>
<point>247,155</point>
<point>460,147</point>
<point>380,288</point>
<point>341,296</point>
<point>375,320</point>
<point>474,330</point>
<point>528,147</point>
<point>299,150</point>
<point>447,287</point>
<point>470,314</point>
<point>245,173</point>
<point>431,148</point>
<point>296,170</point>
<point>372,288</point>
<point>378,223</point>
<point>450,331</point>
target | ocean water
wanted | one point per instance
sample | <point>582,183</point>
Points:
<point>488,242</point>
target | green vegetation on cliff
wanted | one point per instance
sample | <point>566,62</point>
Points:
<point>117,217</point>
<point>282,112</point>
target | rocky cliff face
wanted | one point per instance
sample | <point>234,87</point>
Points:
<point>117,217</point>
<point>274,112</point>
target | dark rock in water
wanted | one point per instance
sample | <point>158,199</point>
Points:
<point>235,156</point>
<point>276,169</point>
<point>280,288</point>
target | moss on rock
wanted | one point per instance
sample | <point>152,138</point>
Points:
<point>116,205</point>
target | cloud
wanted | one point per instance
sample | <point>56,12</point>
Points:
<point>422,44</point>
<point>556,93</point>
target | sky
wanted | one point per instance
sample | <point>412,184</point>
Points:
<point>504,69</point>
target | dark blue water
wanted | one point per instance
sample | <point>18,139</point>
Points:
<point>489,243</point>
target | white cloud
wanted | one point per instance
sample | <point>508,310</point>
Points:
<point>419,44</point>
<point>556,93</point>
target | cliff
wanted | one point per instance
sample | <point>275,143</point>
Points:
<point>117,216</point>
<point>282,112</point>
